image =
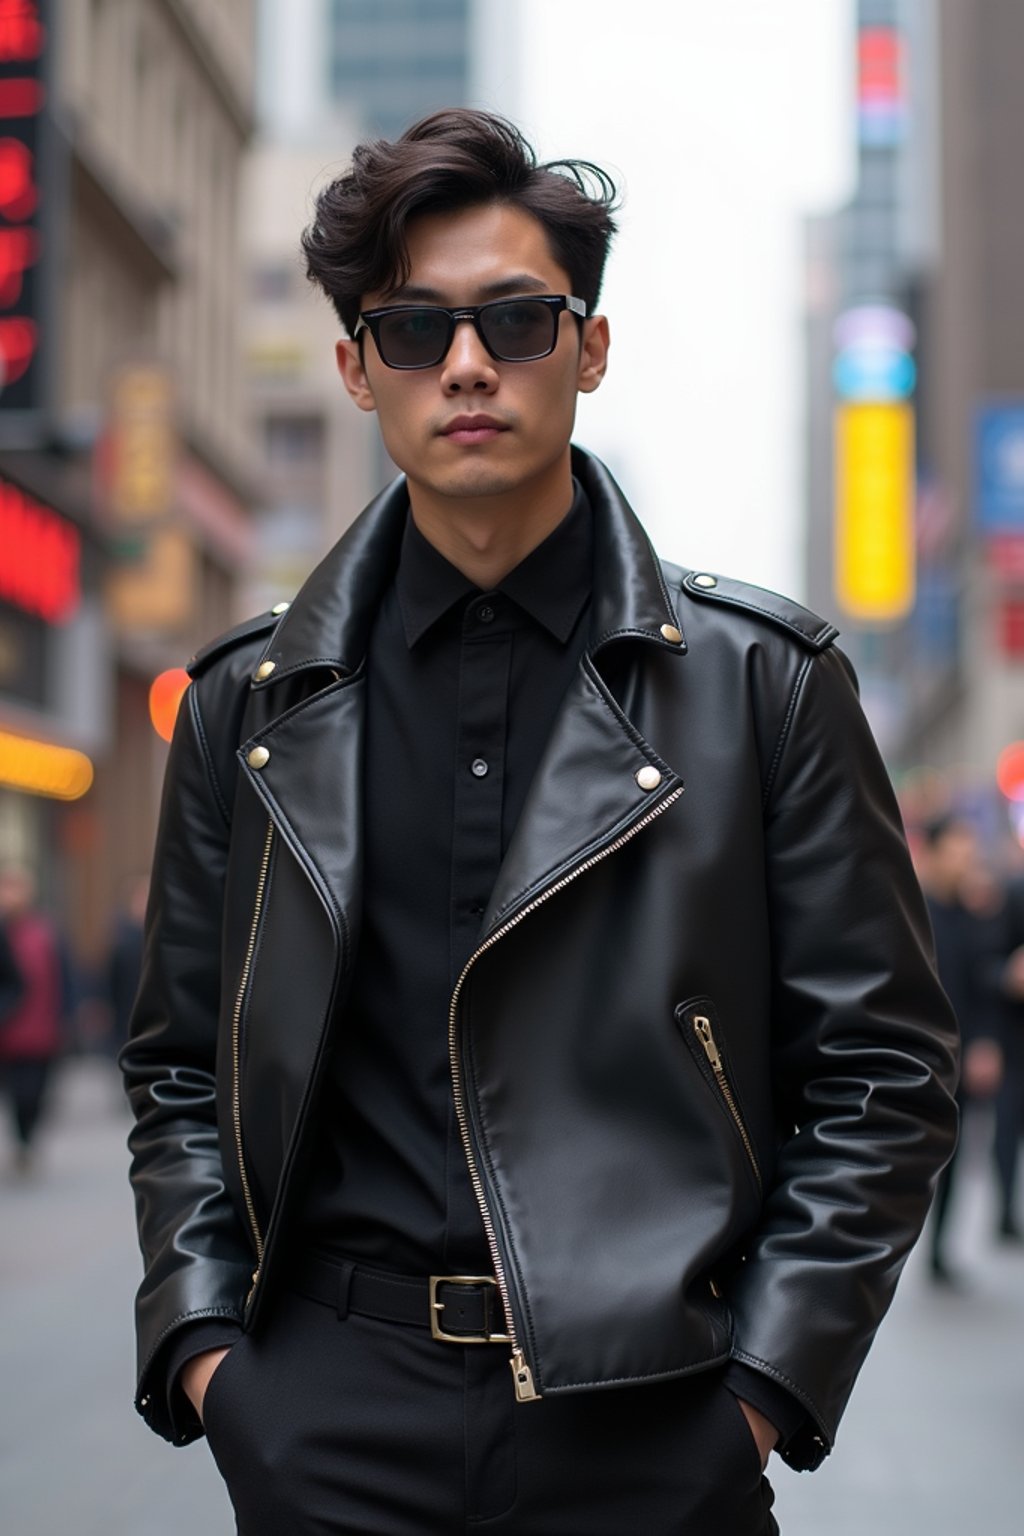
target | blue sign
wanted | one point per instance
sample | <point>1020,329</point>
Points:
<point>874,373</point>
<point>999,468</point>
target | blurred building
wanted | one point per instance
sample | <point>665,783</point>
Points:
<point>916,375</point>
<point>319,458</point>
<point>330,73</point>
<point>379,65</point>
<point>123,453</point>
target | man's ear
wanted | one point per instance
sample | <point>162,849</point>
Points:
<point>353,374</point>
<point>593,354</point>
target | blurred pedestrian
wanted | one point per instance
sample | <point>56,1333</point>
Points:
<point>31,1038</point>
<point>965,912</point>
<point>1010,1098</point>
<point>466,1040</point>
<point>11,983</point>
<point>124,963</point>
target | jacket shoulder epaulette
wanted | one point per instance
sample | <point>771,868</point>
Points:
<point>816,633</point>
<point>249,629</point>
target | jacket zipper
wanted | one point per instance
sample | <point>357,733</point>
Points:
<point>522,1374</point>
<point>705,1034</point>
<point>236,1059</point>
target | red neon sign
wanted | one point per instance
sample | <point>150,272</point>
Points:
<point>40,557</point>
<point>880,65</point>
<point>22,98</point>
<point>18,341</point>
<point>22,34</point>
<point>19,195</point>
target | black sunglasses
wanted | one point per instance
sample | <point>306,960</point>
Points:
<point>512,330</point>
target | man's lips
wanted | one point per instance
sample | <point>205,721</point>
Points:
<point>472,429</point>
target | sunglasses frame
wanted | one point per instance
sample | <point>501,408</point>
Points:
<point>371,320</point>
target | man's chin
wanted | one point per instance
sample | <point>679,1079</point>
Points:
<point>477,481</point>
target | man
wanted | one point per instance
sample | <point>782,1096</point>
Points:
<point>967,926</point>
<point>32,1023</point>
<point>535,974</point>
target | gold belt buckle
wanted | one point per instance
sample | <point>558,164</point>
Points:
<point>437,1307</point>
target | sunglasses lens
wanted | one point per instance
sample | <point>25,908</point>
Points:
<point>413,338</point>
<point>519,330</point>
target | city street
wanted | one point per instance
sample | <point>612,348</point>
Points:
<point>930,1446</point>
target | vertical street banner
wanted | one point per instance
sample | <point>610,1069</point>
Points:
<point>24,215</point>
<point>874,506</point>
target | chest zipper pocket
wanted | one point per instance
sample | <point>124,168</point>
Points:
<point>698,1023</point>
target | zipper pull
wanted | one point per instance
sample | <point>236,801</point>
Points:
<point>255,1283</point>
<point>526,1392</point>
<point>703,1027</point>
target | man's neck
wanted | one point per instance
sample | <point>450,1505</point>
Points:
<point>489,536</point>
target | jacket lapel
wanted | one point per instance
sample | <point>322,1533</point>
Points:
<point>589,790</point>
<point>312,786</point>
<point>586,793</point>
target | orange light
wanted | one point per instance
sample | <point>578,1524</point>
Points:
<point>1010,771</point>
<point>165,694</point>
<point>40,768</point>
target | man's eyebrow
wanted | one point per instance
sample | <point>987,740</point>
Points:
<point>519,282</point>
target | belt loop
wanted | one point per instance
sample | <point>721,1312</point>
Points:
<point>345,1270</point>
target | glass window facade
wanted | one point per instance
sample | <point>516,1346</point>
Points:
<point>394,63</point>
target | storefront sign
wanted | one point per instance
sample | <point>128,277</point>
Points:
<point>40,557</point>
<point>40,768</point>
<point>141,447</point>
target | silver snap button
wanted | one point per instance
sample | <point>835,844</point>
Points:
<point>671,634</point>
<point>705,581</point>
<point>259,757</point>
<point>264,670</point>
<point>280,608</point>
<point>648,778</point>
<point>479,768</point>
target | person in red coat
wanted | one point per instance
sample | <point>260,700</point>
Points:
<point>30,1034</point>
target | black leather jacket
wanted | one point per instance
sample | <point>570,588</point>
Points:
<point>700,1056</point>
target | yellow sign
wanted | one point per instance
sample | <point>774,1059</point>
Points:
<point>142,446</point>
<point>874,507</point>
<point>40,768</point>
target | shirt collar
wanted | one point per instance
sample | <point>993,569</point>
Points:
<point>552,584</point>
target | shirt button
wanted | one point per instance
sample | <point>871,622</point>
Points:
<point>478,768</point>
<point>485,613</point>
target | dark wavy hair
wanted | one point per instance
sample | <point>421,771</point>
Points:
<point>451,160</point>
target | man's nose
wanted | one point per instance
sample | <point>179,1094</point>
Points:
<point>468,365</point>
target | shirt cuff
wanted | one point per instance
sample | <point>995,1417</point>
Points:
<point>779,1407</point>
<point>192,1340</point>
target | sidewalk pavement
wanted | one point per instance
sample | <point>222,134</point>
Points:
<point>930,1445</point>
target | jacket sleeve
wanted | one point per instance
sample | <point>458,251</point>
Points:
<point>196,1255</point>
<point>864,1059</point>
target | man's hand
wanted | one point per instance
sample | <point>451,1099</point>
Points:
<point>763,1430</point>
<point>197,1372</point>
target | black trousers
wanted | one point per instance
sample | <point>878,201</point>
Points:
<point>328,1426</point>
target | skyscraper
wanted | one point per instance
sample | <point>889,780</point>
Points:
<point>390,64</point>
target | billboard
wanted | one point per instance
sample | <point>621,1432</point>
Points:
<point>874,503</point>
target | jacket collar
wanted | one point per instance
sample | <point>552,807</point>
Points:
<point>329,622</point>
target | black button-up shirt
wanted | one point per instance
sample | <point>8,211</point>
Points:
<point>461,693</point>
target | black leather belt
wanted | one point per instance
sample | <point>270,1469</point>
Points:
<point>458,1309</point>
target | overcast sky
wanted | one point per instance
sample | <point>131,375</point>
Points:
<point>724,121</point>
